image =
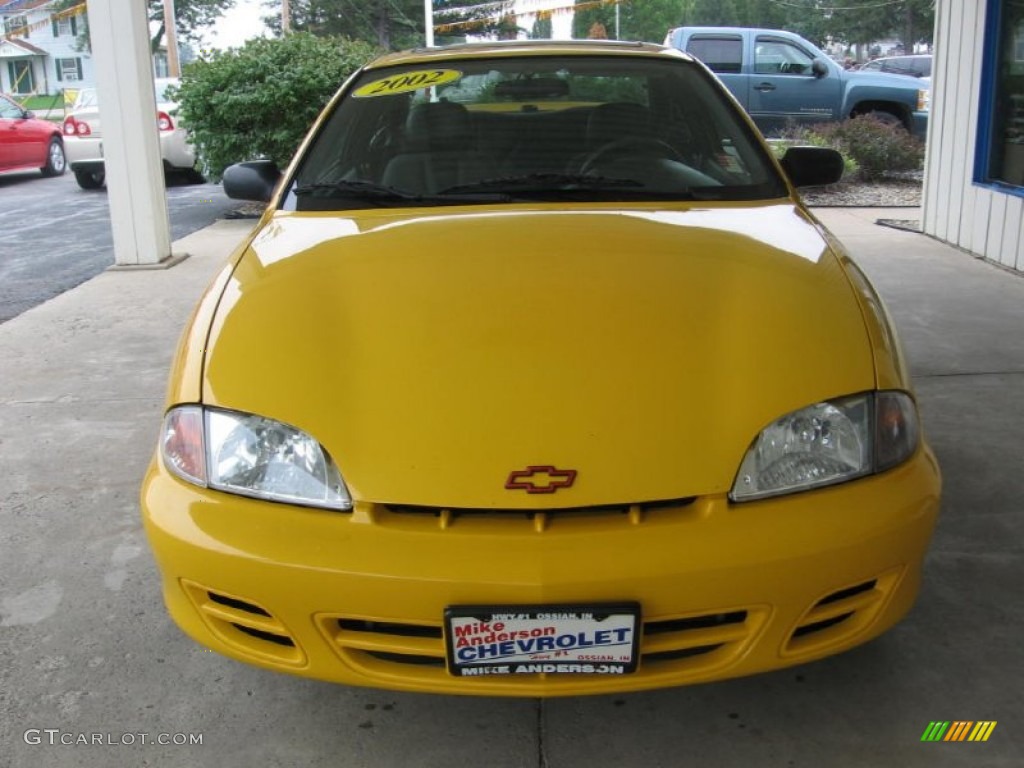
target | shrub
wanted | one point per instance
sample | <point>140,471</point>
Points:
<point>259,100</point>
<point>822,135</point>
<point>879,147</point>
<point>874,147</point>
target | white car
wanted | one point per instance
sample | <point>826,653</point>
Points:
<point>83,139</point>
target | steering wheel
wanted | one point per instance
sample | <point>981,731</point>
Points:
<point>643,145</point>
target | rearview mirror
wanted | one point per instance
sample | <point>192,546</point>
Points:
<point>819,68</point>
<point>254,180</point>
<point>812,166</point>
<point>532,88</point>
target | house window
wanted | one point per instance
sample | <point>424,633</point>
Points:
<point>66,26</point>
<point>1000,159</point>
<point>16,26</point>
<point>20,74</point>
<point>69,70</point>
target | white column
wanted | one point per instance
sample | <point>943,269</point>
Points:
<point>131,148</point>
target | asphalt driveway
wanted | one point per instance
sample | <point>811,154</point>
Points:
<point>56,235</point>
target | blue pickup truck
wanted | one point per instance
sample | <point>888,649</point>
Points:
<point>780,79</point>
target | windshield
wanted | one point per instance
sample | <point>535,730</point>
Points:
<point>592,128</point>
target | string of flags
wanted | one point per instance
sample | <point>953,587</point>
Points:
<point>67,13</point>
<point>493,11</point>
<point>542,13</point>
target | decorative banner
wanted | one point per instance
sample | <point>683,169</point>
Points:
<point>544,13</point>
<point>67,13</point>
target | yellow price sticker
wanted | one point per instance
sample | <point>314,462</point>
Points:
<point>407,82</point>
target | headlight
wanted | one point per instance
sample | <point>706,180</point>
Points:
<point>924,100</point>
<point>828,443</point>
<point>251,456</point>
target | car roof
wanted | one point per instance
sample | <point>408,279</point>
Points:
<point>526,49</point>
<point>904,57</point>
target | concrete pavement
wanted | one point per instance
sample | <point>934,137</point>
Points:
<point>86,648</point>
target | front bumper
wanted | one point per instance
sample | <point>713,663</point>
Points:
<point>919,124</point>
<point>725,590</point>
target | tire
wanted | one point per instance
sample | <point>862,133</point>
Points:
<point>90,179</point>
<point>56,162</point>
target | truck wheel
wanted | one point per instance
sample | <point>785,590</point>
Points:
<point>90,179</point>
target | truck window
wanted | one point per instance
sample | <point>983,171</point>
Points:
<point>721,54</point>
<point>778,57</point>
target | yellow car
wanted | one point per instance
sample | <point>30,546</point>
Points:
<point>537,379</point>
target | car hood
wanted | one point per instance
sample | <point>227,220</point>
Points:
<point>433,354</point>
<point>887,80</point>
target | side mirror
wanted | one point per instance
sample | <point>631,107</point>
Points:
<point>819,68</point>
<point>29,114</point>
<point>812,166</point>
<point>254,180</point>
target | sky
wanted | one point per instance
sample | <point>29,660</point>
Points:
<point>243,21</point>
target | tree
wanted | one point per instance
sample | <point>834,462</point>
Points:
<point>585,18</point>
<point>718,13</point>
<point>647,20</point>
<point>863,21</point>
<point>768,14</point>
<point>389,24</point>
<point>541,27</point>
<point>919,23</point>
<point>849,21</point>
<point>191,17</point>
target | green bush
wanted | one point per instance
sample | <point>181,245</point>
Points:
<point>815,136</point>
<point>258,101</point>
<point>878,147</point>
<point>871,148</point>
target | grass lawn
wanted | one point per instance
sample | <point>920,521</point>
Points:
<point>41,102</point>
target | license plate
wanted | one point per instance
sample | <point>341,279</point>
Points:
<point>554,639</point>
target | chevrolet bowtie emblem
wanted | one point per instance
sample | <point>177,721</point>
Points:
<point>545,479</point>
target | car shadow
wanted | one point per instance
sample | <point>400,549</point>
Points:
<point>11,178</point>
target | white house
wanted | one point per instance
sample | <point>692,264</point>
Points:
<point>974,176</point>
<point>39,47</point>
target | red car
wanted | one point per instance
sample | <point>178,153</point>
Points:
<point>27,143</point>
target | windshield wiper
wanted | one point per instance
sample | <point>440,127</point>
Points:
<point>379,193</point>
<point>355,188</point>
<point>543,182</point>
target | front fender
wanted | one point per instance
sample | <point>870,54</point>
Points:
<point>897,90</point>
